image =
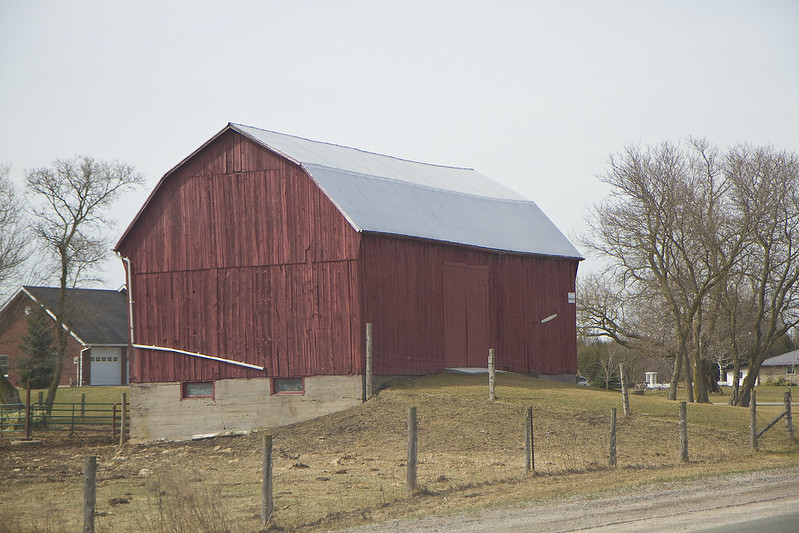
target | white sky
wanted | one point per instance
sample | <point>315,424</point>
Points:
<point>533,94</point>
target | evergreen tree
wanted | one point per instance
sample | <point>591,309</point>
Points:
<point>39,365</point>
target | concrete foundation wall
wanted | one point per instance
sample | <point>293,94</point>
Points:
<point>159,412</point>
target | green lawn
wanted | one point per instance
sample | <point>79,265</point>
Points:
<point>109,394</point>
<point>765,393</point>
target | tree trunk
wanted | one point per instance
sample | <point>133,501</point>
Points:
<point>689,379</point>
<point>61,335</point>
<point>744,396</point>
<point>749,384</point>
<point>700,364</point>
<point>736,380</point>
<point>711,381</point>
<point>8,392</point>
<point>675,376</point>
<point>700,381</point>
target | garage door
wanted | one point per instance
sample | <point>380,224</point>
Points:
<point>106,366</point>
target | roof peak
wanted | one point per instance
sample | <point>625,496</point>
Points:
<point>238,127</point>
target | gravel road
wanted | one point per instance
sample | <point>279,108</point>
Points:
<point>691,506</point>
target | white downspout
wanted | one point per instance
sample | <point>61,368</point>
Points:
<point>199,355</point>
<point>80,367</point>
<point>162,348</point>
<point>130,295</point>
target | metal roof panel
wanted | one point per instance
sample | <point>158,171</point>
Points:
<point>384,194</point>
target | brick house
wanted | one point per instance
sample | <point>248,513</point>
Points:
<point>97,344</point>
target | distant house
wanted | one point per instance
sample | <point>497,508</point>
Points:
<point>257,262</point>
<point>781,366</point>
<point>97,324</point>
<point>744,371</point>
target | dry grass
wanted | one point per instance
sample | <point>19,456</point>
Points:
<point>349,467</point>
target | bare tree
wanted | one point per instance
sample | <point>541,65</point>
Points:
<point>667,232</point>
<point>765,187</point>
<point>13,236</point>
<point>71,220</point>
<point>634,320</point>
<point>13,253</point>
<point>713,240</point>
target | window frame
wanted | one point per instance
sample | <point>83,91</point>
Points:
<point>4,367</point>
<point>184,385</point>
<point>275,392</point>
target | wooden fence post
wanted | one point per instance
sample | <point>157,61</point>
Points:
<point>491,376</point>
<point>753,420</point>
<point>612,460</point>
<point>123,424</point>
<point>683,433</point>
<point>89,492</point>
<point>625,398</point>
<point>529,443</point>
<point>267,505</point>
<point>788,416</point>
<point>369,373</point>
<point>412,449</point>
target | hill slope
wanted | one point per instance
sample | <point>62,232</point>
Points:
<point>349,467</point>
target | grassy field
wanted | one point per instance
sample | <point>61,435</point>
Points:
<point>108,394</point>
<point>765,394</point>
<point>348,468</point>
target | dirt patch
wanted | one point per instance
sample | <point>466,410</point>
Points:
<point>713,501</point>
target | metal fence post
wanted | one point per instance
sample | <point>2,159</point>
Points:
<point>369,369</point>
<point>753,420</point>
<point>625,397</point>
<point>529,443</point>
<point>683,433</point>
<point>267,505</point>
<point>788,416</point>
<point>612,459</point>
<point>491,376</point>
<point>412,449</point>
<point>28,412</point>
<point>123,422</point>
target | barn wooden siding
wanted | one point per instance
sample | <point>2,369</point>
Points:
<point>425,299</point>
<point>240,255</point>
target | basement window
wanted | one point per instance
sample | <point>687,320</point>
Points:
<point>288,386</point>
<point>197,389</point>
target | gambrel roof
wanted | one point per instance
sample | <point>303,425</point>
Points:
<point>383,194</point>
<point>387,195</point>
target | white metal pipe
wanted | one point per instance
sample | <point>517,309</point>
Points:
<point>550,317</point>
<point>130,294</point>
<point>200,355</point>
<point>80,367</point>
<point>163,348</point>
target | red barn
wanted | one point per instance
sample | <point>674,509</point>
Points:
<point>256,263</point>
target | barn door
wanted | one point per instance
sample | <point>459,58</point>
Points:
<point>465,315</point>
<point>477,315</point>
